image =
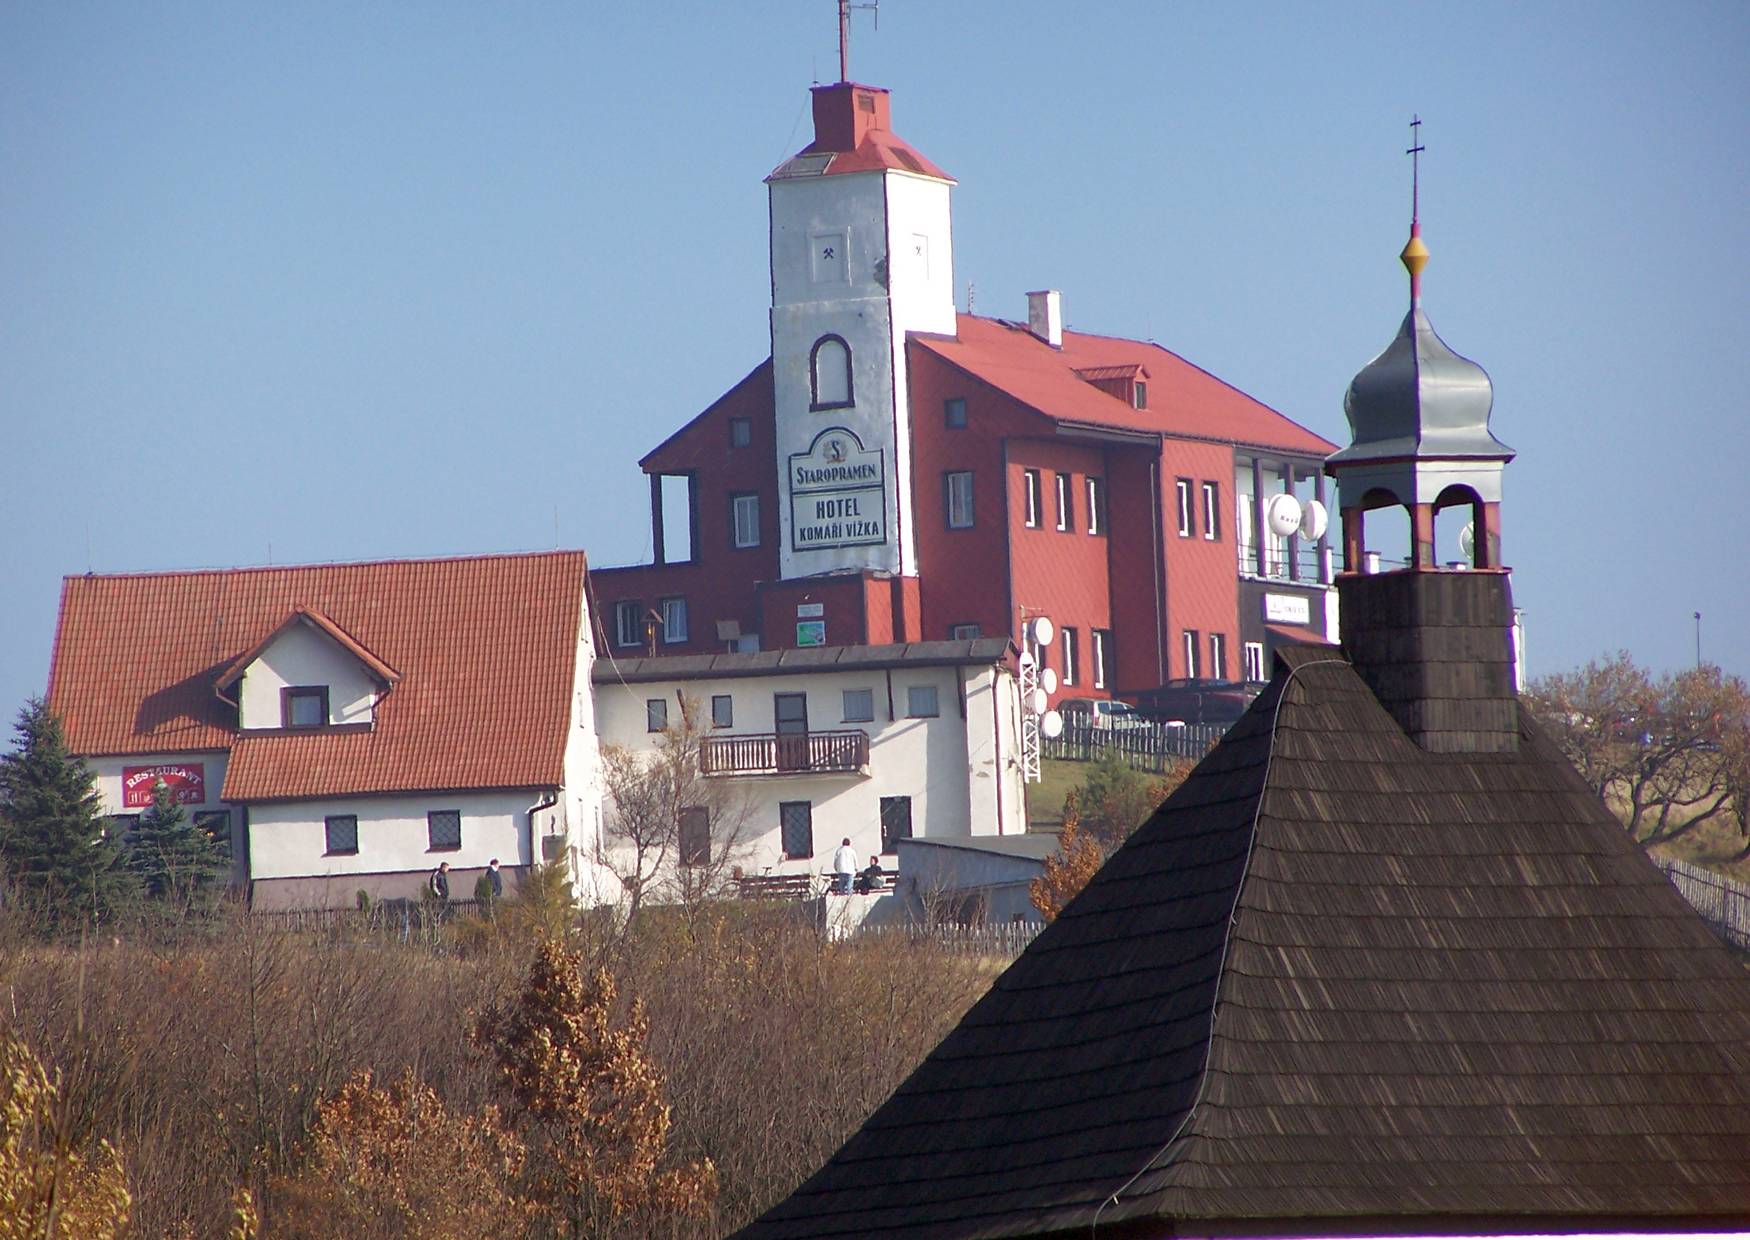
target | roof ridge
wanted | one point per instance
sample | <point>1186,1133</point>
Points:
<point>387,561</point>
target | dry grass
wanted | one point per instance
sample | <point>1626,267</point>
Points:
<point>203,1060</point>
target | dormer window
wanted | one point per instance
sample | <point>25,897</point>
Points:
<point>304,706</point>
<point>1139,394</point>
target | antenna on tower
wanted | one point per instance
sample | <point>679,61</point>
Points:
<point>845,7</point>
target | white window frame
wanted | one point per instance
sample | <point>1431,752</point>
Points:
<point>1188,638</point>
<point>1069,656</point>
<point>957,487</point>
<point>1101,651</point>
<point>1182,487</point>
<point>629,623</point>
<point>674,621</point>
<point>1218,656</point>
<point>1063,492</point>
<point>1211,511</point>
<point>1030,498</point>
<point>745,512</point>
<point>1096,505</point>
<point>724,717</point>
<point>656,714</point>
<point>1254,652</point>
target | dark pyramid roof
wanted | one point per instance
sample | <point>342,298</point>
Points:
<point>1336,982</point>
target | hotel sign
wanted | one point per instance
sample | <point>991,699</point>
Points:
<point>1287,609</point>
<point>838,494</point>
<point>187,782</point>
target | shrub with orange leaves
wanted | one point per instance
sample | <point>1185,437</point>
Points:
<point>47,1189</point>
<point>589,1101</point>
<point>395,1163</point>
<point>1068,870</point>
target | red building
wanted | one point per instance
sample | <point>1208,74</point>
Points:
<point>897,471</point>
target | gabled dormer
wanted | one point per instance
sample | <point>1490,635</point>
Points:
<point>307,673</point>
<point>1128,382</point>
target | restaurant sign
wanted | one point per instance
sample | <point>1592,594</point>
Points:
<point>838,493</point>
<point>187,782</point>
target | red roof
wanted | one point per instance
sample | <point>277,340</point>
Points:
<point>853,133</point>
<point>1183,400</point>
<point>485,649</point>
<point>339,636</point>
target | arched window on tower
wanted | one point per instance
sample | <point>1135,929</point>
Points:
<point>829,374</point>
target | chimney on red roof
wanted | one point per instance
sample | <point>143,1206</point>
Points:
<point>844,113</point>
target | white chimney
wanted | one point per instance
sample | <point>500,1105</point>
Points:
<point>1045,316</point>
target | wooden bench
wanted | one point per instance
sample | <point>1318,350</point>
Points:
<point>775,886</point>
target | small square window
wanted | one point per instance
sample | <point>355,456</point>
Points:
<point>920,702</point>
<point>796,829</point>
<point>340,833</point>
<point>303,706</point>
<point>656,714</point>
<point>740,432</point>
<point>859,706</point>
<point>954,413</point>
<point>964,633</point>
<point>959,489</point>
<point>695,833</point>
<point>628,623</point>
<point>674,621</point>
<point>722,711</point>
<point>443,830</point>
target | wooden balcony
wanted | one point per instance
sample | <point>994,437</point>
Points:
<point>801,753</point>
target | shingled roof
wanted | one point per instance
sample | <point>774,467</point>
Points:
<point>481,651</point>
<point>1337,983</point>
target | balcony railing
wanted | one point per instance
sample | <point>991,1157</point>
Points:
<point>798,753</point>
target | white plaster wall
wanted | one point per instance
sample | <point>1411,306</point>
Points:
<point>950,767</point>
<point>997,798</point>
<point>578,816</point>
<point>303,656</point>
<point>107,778</point>
<point>879,214</point>
<point>287,840</point>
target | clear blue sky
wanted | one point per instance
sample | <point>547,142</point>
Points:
<point>314,281</point>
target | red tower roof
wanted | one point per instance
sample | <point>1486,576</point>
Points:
<point>853,132</point>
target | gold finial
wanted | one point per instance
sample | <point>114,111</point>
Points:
<point>1415,255</point>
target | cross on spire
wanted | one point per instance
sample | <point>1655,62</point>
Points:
<point>1415,255</point>
<point>1415,154</point>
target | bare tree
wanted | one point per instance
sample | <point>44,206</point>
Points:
<point>1668,753</point>
<point>674,834</point>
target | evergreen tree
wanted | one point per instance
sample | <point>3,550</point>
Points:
<point>59,854</point>
<point>178,864</point>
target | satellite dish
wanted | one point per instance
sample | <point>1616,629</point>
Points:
<point>1043,631</point>
<point>1051,724</point>
<point>1048,680</point>
<point>1467,541</point>
<point>1282,515</point>
<point>1038,702</point>
<point>1314,520</point>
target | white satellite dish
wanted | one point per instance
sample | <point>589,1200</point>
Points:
<point>1038,702</point>
<point>1043,631</point>
<point>1282,515</point>
<point>1467,541</point>
<point>1048,680</point>
<point>1314,520</point>
<point>1051,724</point>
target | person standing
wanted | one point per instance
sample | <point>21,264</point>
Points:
<point>439,883</point>
<point>844,864</point>
<point>496,878</point>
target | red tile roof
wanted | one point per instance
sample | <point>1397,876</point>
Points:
<point>1183,399</point>
<point>485,647</point>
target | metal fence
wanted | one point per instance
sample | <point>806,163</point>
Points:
<point>1007,938</point>
<point>1149,747</point>
<point>1722,903</point>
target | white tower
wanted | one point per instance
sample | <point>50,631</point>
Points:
<point>862,253</point>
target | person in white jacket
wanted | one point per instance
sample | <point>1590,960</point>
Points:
<point>844,864</point>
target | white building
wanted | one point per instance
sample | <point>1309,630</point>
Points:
<point>871,743</point>
<point>349,726</point>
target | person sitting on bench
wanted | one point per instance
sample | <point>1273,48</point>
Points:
<point>869,877</point>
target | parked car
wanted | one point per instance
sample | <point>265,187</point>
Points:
<point>1101,713</point>
<point>1197,701</point>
